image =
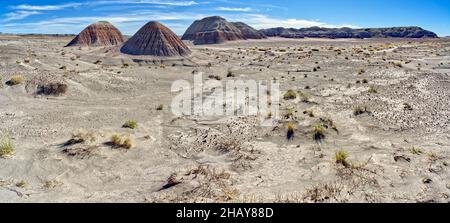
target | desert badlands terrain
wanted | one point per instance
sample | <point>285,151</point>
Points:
<point>368,120</point>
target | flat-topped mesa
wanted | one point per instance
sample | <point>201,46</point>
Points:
<point>211,30</point>
<point>101,33</point>
<point>318,32</point>
<point>155,39</point>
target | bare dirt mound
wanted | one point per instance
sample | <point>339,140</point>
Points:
<point>157,40</point>
<point>98,34</point>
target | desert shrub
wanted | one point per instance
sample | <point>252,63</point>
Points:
<point>16,80</point>
<point>52,89</point>
<point>81,137</point>
<point>63,68</point>
<point>80,152</point>
<point>21,184</point>
<point>305,97</point>
<point>290,131</point>
<point>407,107</point>
<point>319,132</point>
<point>341,158</point>
<point>416,151</point>
<point>217,77</point>
<point>361,71</point>
<point>398,65</point>
<point>365,81</point>
<point>98,62</point>
<point>372,90</point>
<point>160,107</point>
<point>125,65</point>
<point>359,110</point>
<point>230,74</point>
<point>310,113</point>
<point>289,113</point>
<point>132,124</point>
<point>290,95</point>
<point>6,147</point>
<point>121,141</point>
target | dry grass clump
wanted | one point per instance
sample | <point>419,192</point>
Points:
<point>330,192</point>
<point>341,158</point>
<point>319,132</point>
<point>21,184</point>
<point>290,95</point>
<point>290,131</point>
<point>121,141</point>
<point>359,110</point>
<point>132,124</point>
<point>416,151</point>
<point>372,90</point>
<point>310,113</point>
<point>16,80</point>
<point>81,152</point>
<point>407,106</point>
<point>81,137</point>
<point>6,147</point>
<point>51,184</point>
<point>305,97</point>
<point>202,184</point>
<point>361,71</point>
<point>52,89</point>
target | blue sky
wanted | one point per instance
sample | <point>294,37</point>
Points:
<point>71,16</point>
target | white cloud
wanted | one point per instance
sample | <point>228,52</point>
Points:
<point>128,23</point>
<point>263,22</point>
<point>46,7</point>
<point>149,2</point>
<point>18,15</point>
<point>111,2</point>
<point>234,9</point>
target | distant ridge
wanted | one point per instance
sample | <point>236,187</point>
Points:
<point>318,32</point>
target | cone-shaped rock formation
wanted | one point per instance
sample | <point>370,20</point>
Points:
<point>157,40</point>
<point>98,34</point>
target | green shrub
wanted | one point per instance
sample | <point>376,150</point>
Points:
<point>319,132</point>
<point>341,157</point>
<point>372,90</point>
<point>6,147</point>
<point>132,124</point>
<point>290,95</point>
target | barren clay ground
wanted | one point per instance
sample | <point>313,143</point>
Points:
<point>379,106</point>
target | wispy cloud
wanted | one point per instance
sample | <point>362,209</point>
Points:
<point>233,9</point>
<point>18,15</point>
<point>46,7</point>
<point>128,23</point>
<point>262,22</point>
